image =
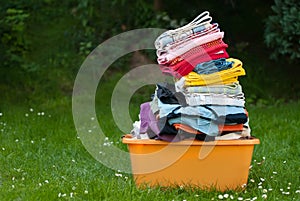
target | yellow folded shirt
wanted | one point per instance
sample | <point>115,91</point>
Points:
<point>222,77</point>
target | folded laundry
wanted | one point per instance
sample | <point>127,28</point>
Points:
<point>148,121</point>
<point>194,99</point>
<point>216,113</point>
<point>234,89</point>
<point>187,128</point>
<point>211,29</point>
<point>201,41</point>
<point>204,126</point>
<point>184,64</point>
<point>212,50</point>
<point>200,23</point>
<point>223,77</point>
<point>213,66</point>
<point>166,93</point>
<point>207,81</point>
<point>206,101</point>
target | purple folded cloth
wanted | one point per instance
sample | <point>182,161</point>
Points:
<point>148,120</point>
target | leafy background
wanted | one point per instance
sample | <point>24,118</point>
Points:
<point>44,43</point>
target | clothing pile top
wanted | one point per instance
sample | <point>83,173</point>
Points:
<point>206,101</point>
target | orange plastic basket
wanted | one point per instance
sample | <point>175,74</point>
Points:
<point>221,165</point>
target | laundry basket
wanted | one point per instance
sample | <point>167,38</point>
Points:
<point>221,165</point>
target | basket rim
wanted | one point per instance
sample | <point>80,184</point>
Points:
<point>127,139</point>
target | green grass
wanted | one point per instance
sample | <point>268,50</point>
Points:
<point>43,159</point>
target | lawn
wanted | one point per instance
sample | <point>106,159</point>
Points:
<point>42,158</point>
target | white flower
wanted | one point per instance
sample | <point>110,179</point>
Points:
<point>264,190</point>
<point>220,197</point>
<point>86,192</point>
<point>1,114</point>
<point>274,172</point>
<point>46,181</point>
<point>262,179</point>
<point>31,110</point>
<point>106,144</point>
<point>264,196</point>
<point>226,195</point>
<point>240,198</point>
<point>297,191</point>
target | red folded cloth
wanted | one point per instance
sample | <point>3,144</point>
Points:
<point>184,64</point>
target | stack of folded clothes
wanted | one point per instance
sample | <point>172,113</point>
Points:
<point>180,50</point>
<point>206,101</point>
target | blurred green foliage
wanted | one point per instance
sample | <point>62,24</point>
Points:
<point>13,43</point>
<point>43,43</point>
<point>282,32</point>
